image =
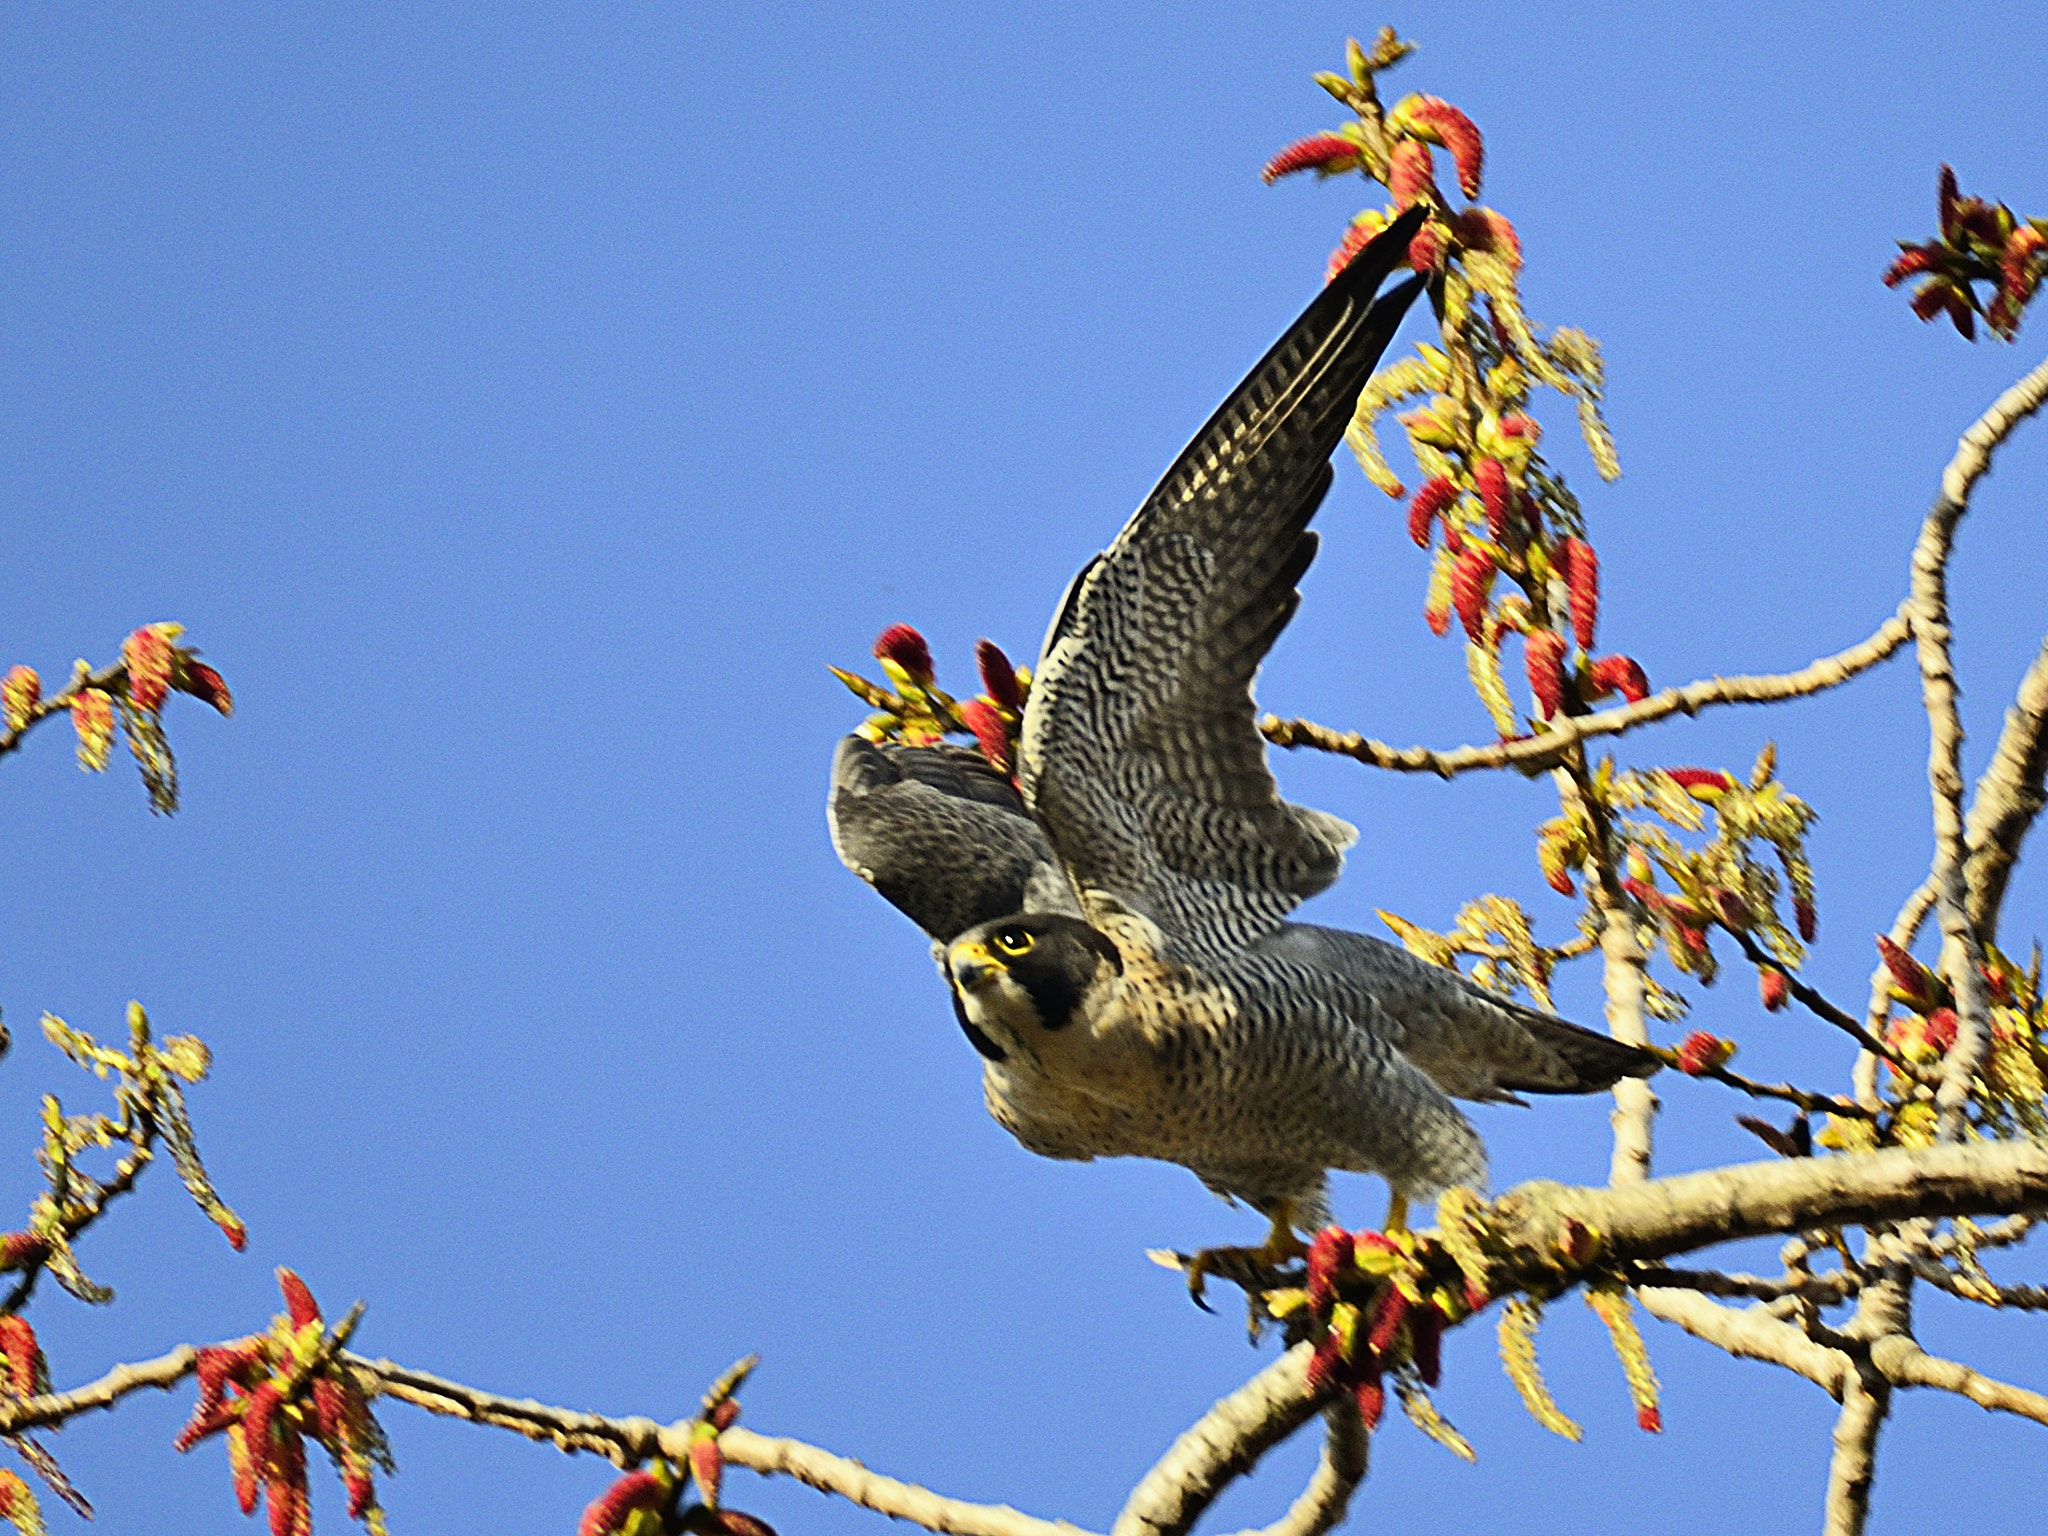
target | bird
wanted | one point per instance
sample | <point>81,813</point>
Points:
<point>1113,925</point>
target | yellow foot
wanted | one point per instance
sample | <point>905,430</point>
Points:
<point>1252,1268</point>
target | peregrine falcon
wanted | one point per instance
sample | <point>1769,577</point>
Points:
<point>1114,929</point>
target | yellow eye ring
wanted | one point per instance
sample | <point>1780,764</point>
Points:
<point>1012,941</point>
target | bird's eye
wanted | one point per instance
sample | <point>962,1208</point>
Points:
<point>1013,941</point>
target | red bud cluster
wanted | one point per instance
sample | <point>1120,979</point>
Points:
<point>629,1495</point>
<point>1411,175</point>
<point>1773,988</point>
<point>1980,241</point>
<point>1471,579</point>
<point>1490,479</point>
<point>28,1373</point>
<point>1437,121</point>
<point>243,1389</point>
<point>998,676</point>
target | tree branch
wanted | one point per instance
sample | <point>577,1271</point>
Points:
<point>1962,957</point>
<point>2009,796</point>
<point>109,679</point>
<point>1749,1333</point>
<point>160,1374</point>
<point>1906,1364</point>
<point>1696,1210</point>
<point>1339,1471</point>
<point>1223,1446</point>
<point>1532,754</point>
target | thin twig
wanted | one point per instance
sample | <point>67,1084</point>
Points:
<point>1748,1333</point>
<point>1339,1470</point>
<point>1785,1093</point>
<point>1533,754</point>
<point>109,679</point>
<point>1815,1003</point>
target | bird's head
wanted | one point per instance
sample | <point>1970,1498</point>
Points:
<point>1020,977</point>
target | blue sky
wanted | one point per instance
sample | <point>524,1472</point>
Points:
<point>521,407</point>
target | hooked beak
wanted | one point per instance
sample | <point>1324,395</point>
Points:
<point>973,967</point>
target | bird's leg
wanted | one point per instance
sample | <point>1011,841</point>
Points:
<point>1397,1210</point>
<point>1248,1267</point>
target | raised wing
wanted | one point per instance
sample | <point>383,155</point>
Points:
<point>1141,755</point>
<point>941,835</point>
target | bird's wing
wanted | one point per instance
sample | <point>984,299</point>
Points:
<point>1473,1043</point>
<point>941,834</point>
<point>1141,755</point>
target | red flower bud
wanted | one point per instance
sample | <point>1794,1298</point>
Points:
<point>707,1466</point>
<point>1426,250</point>
<point>1411,175</point>
<point>1372,1401</point>
<point>1620,673</point>
<point>1438,620</point>
<point>149,658</point>
<point>1328,1255</point>
<point>203,683</point>
<point>1329,153</point>
<point>1435,498</point>
<point>1470,580</point>
<point>92,717</point>
<point>989,732</point>
<point>1913,979</point>
<point>236,1234</point>
<point>1490,479</point>
<point>1712,780</point>
<point>1482,229</point>
<point>1455,131</point>
<point>1931,298</point>
<point>1425,1343</point>
<point>1773,988</point>
<point>998,677</point>
<point>291,1509</point>
<point>1701,1052</point>
<point>635,1491</point>
<point>1805,918</point>
<point>905,646</point>
<point>1945,200</point>
<point>1649,1420</point>
<point>1582,577</point>
<point>725,1415</point>
<point>1941,1029</point>
<point>1519,426</point>
<point>1545,656</point>
<point>362,1492</point>
<point>20,692</point>
<point>257,1414</point>
<point>18,1250</point>
<point>299,1304</point>
<point>1732,910</point>
<point>1913,260</point>
<point>1389,1313</point>
<point>24,1357</point>
<point>1326,1364</point>
<point>1356,238</point>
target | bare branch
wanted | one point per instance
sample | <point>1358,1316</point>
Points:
<point>1906,1364</point>
<point>1532,754</point>
<point>1828,1289</point>
<point>1339,1470</point>
<point>1749,1333</point>
<point>624,1441</point>
<point>1815,1003</point>
<point>1224,1444</point>
<point>2009,796</point>
<point>1852,1468</point>
<point>853,1482</point>
<point>160,1374</point>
